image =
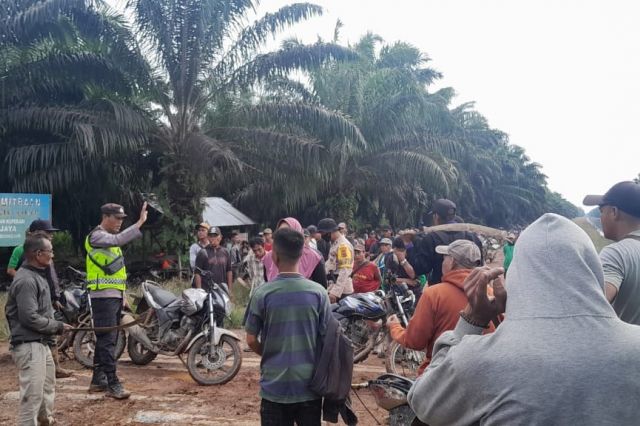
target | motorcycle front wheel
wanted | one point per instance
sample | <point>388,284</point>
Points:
<point>402,361</point>
<point>214,366</point>
<point>84,345</point>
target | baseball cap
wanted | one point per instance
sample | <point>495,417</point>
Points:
<point>312,229</point>
<point>113,209</point>
<point>327,225</point>
<point>443,207</point>
<point>386,241</point>
<point>342,225</point>
<point>359,247</point>
<point>466,253</point>
<point>623,195</point>
<point>42,225</point>
<point>204,225</point>
<point>267,231</point>
<point>214,231</point>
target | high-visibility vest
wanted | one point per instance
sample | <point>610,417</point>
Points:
<point>97,279</point>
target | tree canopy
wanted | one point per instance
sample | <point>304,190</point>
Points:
<point>183,98</point>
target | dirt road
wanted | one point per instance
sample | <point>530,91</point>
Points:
<point>165,394</point>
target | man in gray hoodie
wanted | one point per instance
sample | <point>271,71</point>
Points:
<point>561,357</point>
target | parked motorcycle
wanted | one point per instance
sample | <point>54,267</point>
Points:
<point>190,325</point>
<point>77,312</point>
<point>363,317</point>
<point>390,392</point>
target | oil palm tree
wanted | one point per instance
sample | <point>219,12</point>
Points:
<point>68,74</point>
<point>208,59</point>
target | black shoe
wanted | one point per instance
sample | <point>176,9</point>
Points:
<point>115,388</point>
<point>98,381</point>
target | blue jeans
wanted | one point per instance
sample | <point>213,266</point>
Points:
<point>307,413</point>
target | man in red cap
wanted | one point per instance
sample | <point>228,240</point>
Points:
<point>620,217</point>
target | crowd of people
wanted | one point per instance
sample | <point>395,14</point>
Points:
<point>560,349</point>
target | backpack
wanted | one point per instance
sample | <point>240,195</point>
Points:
<point>333,372</point>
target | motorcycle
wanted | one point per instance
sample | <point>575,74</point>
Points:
<point>390,392</point>
<point>191,325</point>
<point>363,317</point>
<point>76,311</point>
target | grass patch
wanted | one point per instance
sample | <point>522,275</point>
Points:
<point>4,326</point>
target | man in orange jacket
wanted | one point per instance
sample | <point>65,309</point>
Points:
<point>439,307</point>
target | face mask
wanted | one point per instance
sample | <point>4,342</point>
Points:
<point>326,237</point>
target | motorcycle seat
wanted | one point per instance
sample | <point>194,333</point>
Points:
<point>161,296</point>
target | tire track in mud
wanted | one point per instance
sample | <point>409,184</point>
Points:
<point>163,393</point>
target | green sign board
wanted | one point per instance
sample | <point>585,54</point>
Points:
<point>17,211</point>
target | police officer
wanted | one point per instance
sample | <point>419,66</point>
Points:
<point>339,265</point>
<point>107,281</point>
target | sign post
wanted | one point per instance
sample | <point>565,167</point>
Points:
<point>17,211</point>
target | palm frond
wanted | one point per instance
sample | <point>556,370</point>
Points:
<point>254,36</point>
<point>323,124</point>
<point>280,63</point>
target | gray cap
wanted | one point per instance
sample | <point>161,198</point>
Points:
<point>386,241</point>
<point>466,253</point>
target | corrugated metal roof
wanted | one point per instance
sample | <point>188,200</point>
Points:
<point>219,212</point>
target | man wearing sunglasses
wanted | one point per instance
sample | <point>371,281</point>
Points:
<point>620,217</point>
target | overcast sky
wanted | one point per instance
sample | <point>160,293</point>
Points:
<point>561,77</point>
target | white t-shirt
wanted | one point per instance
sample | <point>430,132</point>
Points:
<point>193,253</point>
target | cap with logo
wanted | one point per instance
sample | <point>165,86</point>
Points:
<point>214,231</point>
<point>466,253</point>
<point>443,208</point>
<point>42,225</point>
<point>623,195</point>
<point>113,209</point>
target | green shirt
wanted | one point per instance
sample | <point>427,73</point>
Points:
<point>508,255</point>
<point>289,314</point>
<point>16,257</point>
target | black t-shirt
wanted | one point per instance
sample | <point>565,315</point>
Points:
<point>390,265</point>
<point>215,260</point>
<point>323,248</point>
<point>423,256</point>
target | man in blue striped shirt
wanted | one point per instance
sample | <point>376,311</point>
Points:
<point>288,315</point>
